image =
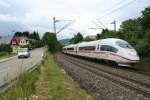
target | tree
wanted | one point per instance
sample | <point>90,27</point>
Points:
<point>98,36</point>
<point>145,20</point>
<point>132,30</point>
<point>109,34</point>
<point>105,30</point>
<point>26,33</point>
<point>34,36</point>
<point>5,48</point>
<point>50,40</point>
<point>36,44</point>
<point>143,47</point>
<point>77,38</point>
<point>18,34</point>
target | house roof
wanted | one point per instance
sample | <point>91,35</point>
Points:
<point>16,40</point>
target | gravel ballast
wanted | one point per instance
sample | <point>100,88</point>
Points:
<point>99,87</point>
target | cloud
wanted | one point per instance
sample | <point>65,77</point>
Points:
<point>37,14</point>
<point>4,4</point>
<point>8,27</point>
<point>8,18</point>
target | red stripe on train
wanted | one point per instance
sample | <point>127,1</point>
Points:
<point>114,54</point>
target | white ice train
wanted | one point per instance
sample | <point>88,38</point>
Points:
<point>116,51</point>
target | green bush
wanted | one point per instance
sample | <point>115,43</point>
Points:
<point>36,44</point>
<point>50,40</point>
<point>5,48</point>
<point>3,54</point>
<point>143,47</point>
<point>25,46</point>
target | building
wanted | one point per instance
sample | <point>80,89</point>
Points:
<point>92,37</point>
<point>17,42</point>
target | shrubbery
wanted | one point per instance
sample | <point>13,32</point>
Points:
<point>36,44</point>
<point>50,40</point>
<point>143,47</point>
<point>5,48</point>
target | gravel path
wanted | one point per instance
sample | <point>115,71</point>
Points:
<point>100,87</point>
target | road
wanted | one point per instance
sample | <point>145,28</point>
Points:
<point>9,70</point>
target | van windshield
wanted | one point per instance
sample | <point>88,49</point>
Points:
<point>23,50</point>
<point>124,44</point>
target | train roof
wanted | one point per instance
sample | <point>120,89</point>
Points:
<point>69,46</point>
<point>102,41</point>
<point>93,43</point>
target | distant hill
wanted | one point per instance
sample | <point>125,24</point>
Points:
<point>64,42</point>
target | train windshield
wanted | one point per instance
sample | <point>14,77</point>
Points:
<point>124,44</point>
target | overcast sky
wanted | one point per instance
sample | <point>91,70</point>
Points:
<point>30,15</point>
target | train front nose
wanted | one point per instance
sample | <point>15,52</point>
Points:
<point>133,56</point>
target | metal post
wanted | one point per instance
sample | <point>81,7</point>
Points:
<point>54,24</point>
<point>114,25</point>
<point>114,22</point>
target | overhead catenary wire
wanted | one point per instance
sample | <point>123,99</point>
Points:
<point>118,8</point>
<point>114,10</point>
<point>118,3</point>
<point>96,24</point>
<point>65,26</point>
<point>108,11</point>
<point>101,23</point>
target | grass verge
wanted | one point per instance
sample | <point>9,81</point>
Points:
<point>4,55</point>
<point>23,88</point>
<point>55,84</point>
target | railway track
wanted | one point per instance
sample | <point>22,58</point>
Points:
<point>137,86</point>
<point>134,70</point>
<point>131,70</point>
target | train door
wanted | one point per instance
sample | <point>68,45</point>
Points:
<point>108,50</point>
<point>97,50</point>
<point>75,50</point>
<point>104,52</point>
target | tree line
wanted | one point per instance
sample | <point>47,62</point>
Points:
<point>34,35</point>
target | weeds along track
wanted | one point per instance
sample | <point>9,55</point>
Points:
<point>130,83</point>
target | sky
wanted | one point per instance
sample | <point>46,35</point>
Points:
<point>37,15</point>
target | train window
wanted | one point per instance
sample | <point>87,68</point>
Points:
<point>124,44</point>
<point>113,49</point>
<point>70,48</point>
<point>108,48</point>
<point>87,48</point>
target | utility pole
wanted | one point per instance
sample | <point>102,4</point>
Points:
<point>54,25</point>
<point>114,22</point>
<point>64,27</point>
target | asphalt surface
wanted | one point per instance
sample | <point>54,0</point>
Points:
<point>10,69</point>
